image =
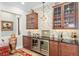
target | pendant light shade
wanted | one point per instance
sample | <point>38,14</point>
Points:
<point>43,17</point>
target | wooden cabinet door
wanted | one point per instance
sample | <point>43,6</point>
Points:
<point>36,21</point>
<point>70,16</point>
<point>68,49</point>
<point>27,22</point>
<point>32,20</point>
<point>27,42</point>
<point>57,20</point>
<point>53,48</point>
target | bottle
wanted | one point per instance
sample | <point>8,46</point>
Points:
<point>61,37</point>
<point>53,38</point>
<point>74,36</point>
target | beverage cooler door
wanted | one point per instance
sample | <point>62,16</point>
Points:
<point>44,47</point>
<point>35,45</point>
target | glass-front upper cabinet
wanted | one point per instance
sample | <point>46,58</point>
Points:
<point>65,16</point>
<point>70,19</point>
<point>32,20</point>
<point>57,17</point>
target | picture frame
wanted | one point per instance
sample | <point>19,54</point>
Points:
<point>6,26</point>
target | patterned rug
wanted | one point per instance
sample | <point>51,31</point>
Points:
<point>21,52</point>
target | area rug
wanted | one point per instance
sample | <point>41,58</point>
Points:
<point>21,52</point>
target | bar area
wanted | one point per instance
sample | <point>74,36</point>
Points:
<point>39,29</point>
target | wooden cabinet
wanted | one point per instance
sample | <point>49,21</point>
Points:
<point>57,17</point>
<point>63,49</point>
<point>32,20</point>
<point>65,16</point>
<point>53,49</point>
<point>27,42</point>
<point>68,49</point>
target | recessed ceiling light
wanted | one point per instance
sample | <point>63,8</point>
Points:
<point>22,3</point>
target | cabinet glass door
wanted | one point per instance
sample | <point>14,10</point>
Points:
<point>57,17</point>
<point>69,15</point>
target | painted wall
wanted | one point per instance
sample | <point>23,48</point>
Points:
<point>5,16</point>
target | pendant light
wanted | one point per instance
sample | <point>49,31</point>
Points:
<point>43,17</point>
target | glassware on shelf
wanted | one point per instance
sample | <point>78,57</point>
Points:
<point>69,15</point>
<point>69,8</point>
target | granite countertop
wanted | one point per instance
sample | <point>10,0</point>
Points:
<point>67,41</point>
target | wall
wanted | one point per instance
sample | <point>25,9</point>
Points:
<point>12,16</point>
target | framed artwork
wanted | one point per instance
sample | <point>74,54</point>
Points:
<point>6,25</point>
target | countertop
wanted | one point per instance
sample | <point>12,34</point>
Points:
<point>67,41</point>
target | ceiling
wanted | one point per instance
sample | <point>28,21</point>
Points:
<point>25,6</point>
